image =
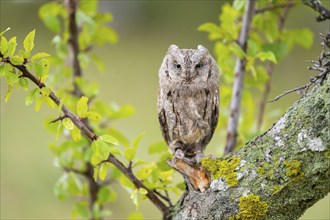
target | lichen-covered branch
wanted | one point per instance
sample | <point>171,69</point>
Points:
<point>324,13</point>
<point>283,172</point>
<point>277,175</point>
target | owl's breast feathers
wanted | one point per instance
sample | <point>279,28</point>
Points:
<point>188,116</point>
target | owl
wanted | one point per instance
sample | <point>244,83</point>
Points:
<point>188,101</point>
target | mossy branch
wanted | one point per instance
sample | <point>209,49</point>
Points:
<point>277,175</point>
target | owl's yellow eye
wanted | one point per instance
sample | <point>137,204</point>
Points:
<point>178,66</point>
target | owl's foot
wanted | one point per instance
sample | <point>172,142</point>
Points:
<point>179,154</point>
<point>198,157</point>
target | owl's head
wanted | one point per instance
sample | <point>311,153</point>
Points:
<point>189,65</point>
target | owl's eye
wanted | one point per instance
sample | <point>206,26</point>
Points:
<point>178,66</point>
<point>199,65</point>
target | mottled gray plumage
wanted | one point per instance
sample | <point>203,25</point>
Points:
<point>188,100</point>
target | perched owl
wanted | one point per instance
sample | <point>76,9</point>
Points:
<point>188,101</point>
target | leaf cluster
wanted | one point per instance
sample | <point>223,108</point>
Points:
<point>268,44</point>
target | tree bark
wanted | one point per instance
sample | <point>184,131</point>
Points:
<point>277,175</point>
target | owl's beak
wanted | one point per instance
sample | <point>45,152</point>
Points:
<point>188,74</point>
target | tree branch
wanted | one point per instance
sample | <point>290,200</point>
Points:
<point>239,78</point>
<point>92,137</point>
<point>74,49</point>
<point>287,168</point>
<point>277,175</point>
<point>324,13</point>
<point>150,194</point>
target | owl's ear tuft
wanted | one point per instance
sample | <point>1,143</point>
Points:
<point>202,48</point>
<point>172,48</point>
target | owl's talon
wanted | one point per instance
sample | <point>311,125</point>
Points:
<point>199,157</point>
<point>179,154</point>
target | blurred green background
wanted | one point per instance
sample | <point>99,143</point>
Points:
<point>146,29</point>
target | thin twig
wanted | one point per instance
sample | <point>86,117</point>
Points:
<point>150,194</point>
<point>239,78</point>
<point>58,119</point>
<point>289,91</point>
<point>321,65</point>
<point>273,7</point>
<point>166,197</point>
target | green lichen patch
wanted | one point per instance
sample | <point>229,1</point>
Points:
<point>294,170</point>
<point>327,154</point>
<point>251,208</point>
<point>266,170</point>
<point>277,189</point>
<point>223,168</point>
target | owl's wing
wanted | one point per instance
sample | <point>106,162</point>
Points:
<point>163,123</point>
<point>215,113</point>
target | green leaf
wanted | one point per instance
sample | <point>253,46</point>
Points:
<point>38,104</point>
<point>39,56</point>
<point>134,197</point>
<point>109,139</point>
<point>82,107</point>
<point>121,112</point>
<point>303,37</point>
<point>94,116</point>
<point>82,209</point>
<point>280,50</point>
<point>166,175</point>
<point>130,153</point>
<point>11,78</point>
<point>61,187</point>
<point>8,93</point>
<point>101,151</point>
<point>98,63</point>
<point>106,195</point>
<point>143,191</point>
<point>68,124</point>
<point>239,4</point>
<point>135,216</point>
<point>267,56</point>
<point>50,103</point>
<point>143,173</point>
<point>158,147</point>
<point>16,60</point>
<point>103,171</point>
<point>212,29</point>
<point>49,15</point>
<point>237,50</point>
<point>76,134</point>
<point>41,68</point>
<point>3,45</point>
<point>24,83</point>
<point>4,31</point>
<point>45,91</point>
<point>24,54</point>
<point>104,35</point>
<point>31,96</point>
<point>89,7</point>
<point>11,47</point>
<point>137,140</point>
<point>29,41</point>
